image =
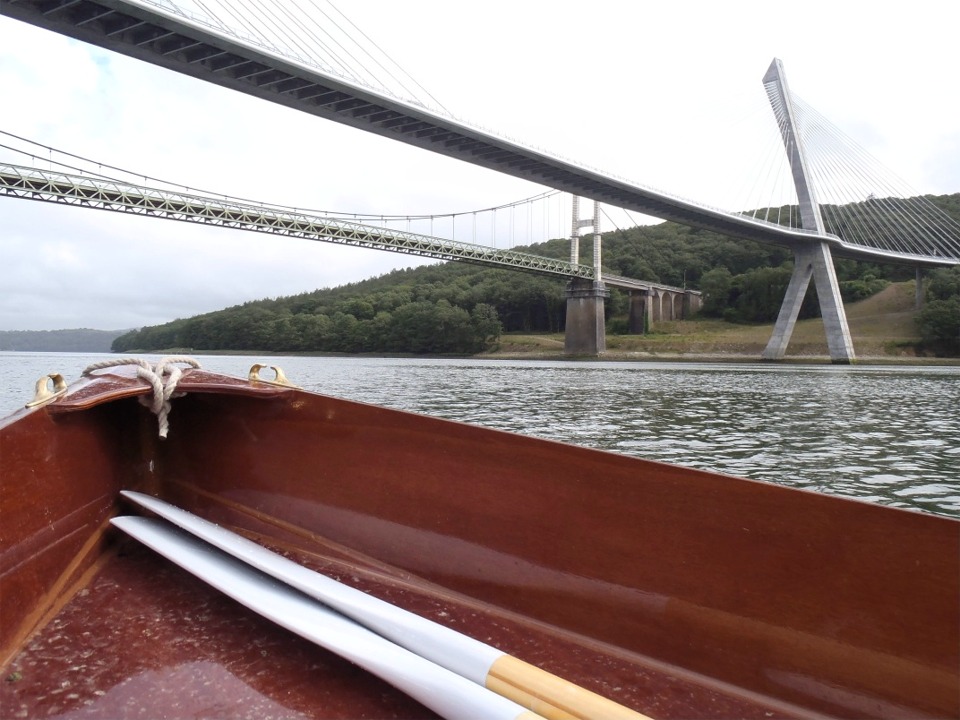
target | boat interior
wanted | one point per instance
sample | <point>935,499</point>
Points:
<point>674,592</point>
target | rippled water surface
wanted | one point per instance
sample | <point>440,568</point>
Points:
<point>884,434</point>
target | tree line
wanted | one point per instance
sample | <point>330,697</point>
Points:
<point>939,320</point>
<point>457,308</point>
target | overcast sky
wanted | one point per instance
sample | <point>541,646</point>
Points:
<point>666,94</point>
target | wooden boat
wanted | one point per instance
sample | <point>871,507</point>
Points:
<point>660,590</point>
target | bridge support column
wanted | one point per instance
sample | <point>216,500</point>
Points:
<point>656,305</point>
<point>641,312</point>
<point>585,332</point>
<point>813,261</point>
<point>918,290</point>
<point>692,304</point>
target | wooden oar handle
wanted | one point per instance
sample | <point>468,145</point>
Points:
<point>537,706</point>
<point>550,696</point>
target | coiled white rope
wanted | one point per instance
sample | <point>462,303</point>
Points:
<point>163,378</point>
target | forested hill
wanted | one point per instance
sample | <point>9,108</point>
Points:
<point>459,308</point>
<point>78,340</point>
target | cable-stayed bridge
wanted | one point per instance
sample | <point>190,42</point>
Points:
<point>167,34</point>
<point>151,31</point>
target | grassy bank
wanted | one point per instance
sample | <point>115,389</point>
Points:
<point>882,327</point>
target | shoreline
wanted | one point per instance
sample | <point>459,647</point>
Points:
<point>616,355</point>
<point>718,357</point>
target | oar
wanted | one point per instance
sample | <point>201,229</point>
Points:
<point>448,694</point>
<point>526,684</point>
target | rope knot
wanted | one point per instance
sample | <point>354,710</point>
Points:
<point>162,377</point>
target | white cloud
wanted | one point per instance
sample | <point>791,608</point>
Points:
<point>666,94</point>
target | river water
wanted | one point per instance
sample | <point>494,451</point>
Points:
<point>883,434</point>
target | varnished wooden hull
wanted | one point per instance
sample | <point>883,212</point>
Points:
<point>675,592</point>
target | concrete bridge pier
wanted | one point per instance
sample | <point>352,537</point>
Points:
<point>661,305</point>
<point>585,332</point>
<point>641,312</point>
<point>692,303</point>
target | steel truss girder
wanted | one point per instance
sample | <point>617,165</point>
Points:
<point>95,193</point>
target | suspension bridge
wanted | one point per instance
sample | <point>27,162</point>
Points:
<point>205,46</point>
<point>117,196</point>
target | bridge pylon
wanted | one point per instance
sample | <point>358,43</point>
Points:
<point>813,259</point>
<point>585,330</point>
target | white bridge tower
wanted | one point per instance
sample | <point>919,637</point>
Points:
<point>585,333</point>
<point>812,259</point>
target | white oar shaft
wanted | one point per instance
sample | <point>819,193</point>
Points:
<point>536,689</point>
<point>454,651</point>
<point>441,690</point>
